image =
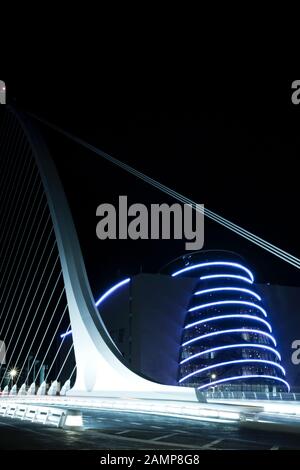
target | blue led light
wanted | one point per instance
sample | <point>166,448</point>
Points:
<point>229,302</point>
<point>222,317</point>
<point>242,377</point>
<point>66,334</point>
<point>221,289</point>
<point>103,297</point>
<point>215,263</point>
<point>111,290</point>
<point>238,330</point>
<point>231,346</point>
<point>238,361</point>
<point>251,311</point>
<point>231,276</point>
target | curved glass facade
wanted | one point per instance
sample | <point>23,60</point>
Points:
<point>227,341</point>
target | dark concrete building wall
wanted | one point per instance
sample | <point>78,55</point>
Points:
<point>159,307</point>
<point>283,307</point>
<point>115,312</point>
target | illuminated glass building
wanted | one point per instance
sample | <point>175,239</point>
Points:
<point>227,339</point>
<point>203,322</point>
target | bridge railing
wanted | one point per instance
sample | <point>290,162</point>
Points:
<point>34,413</point>
<point>280,396</point>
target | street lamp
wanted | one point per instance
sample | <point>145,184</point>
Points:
<point>212,378</point>
<point>13,373</point>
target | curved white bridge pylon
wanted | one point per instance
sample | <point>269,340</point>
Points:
<point>101,369</point>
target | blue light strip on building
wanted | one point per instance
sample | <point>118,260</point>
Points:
<point>238,330</point>
<point>215,263</point>
<point>238,361</point>
<point>216,310</point>
<point>231,276</point>
<point>229,302</point>
<point>103,297</point>
<point>222,289</point>
<point>224,317</point>
<point>232,346</point>
<point>111,290</point>
<point>243,377</point>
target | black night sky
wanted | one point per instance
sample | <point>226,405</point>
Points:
<point>233,146</point>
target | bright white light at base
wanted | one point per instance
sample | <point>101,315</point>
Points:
<point>74,420</point>
<point>13,372</point>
